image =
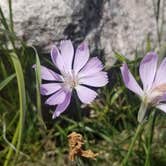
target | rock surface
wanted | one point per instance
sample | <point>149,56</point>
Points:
<point>108,25</point>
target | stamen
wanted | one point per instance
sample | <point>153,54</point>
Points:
<point>70,80</point>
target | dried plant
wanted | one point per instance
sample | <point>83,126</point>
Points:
<point>76,142</point>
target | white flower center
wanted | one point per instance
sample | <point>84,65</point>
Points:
<point>70,80</point>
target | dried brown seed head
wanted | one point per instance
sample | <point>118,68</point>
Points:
<point>75,147</point>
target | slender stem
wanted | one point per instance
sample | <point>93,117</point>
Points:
<point>11,16</point>
<point>7,29</point>
<point>78,109</point>
<point>150,138</point>
<point>138,130</point>
<point>10,152</point>
<point>156,7</point>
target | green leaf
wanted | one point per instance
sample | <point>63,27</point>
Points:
<point>38,83</point>
<point>148,44</point>
<point>11,16</point>
<point>6,81</point>
<point>22,93</point>
<point>120,57</point>
<point>22,107</point>
<point>116,95</point>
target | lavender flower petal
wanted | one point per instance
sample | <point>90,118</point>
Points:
<point>57,59</point>
<point>47,74</point>
<point>62,107</point>
<point>147,70</point>
<point>161,98</point>
<point>129,80</point>
<point>162,107</point>
<point>85,94</point>
<point>56,98</point>
<point>161,74</point>
<point>67,52</point>
<point>93,66</point>
<point>47,89</point>
<point>96,80</point>
<point>81,57</point>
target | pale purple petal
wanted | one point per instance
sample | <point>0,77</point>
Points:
<point>63,106</point>
<point>161,74</point>
<point>130,81</point>
<point>85,94</point>
<point>96,80</point>
<point>49,88</point>
<point>81,56</point>
<point>157,97</point>
<point>67,52</point>
<point>56,98</point>
<point>57,59</point>
<point>47,74</point>
<point>147,70</point>
<point>163,98</point>
<point>162,107</point>
<point>93,66</point>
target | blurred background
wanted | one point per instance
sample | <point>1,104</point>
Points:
<point>108,25</point>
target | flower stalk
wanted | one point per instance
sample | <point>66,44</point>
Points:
<point>150,138</point>
<point>77,110</point>
<point>138,130</point>
<point>142,112</point>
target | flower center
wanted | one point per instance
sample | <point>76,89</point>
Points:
<point>70,80</point>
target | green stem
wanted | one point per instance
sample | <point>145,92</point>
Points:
<point>38,83</point>
<point>138,130</point>
<point>150,138</point>
<point>10,152</point>
<point>11,16</point>
<point>78,109</point>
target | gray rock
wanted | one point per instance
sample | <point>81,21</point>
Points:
<point>108,25</point>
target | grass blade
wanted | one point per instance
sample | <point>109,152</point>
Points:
<point>22,107</point>
<point>6,81</point>
<point>38,83</point>
<point>11,16</point>
<point>22,93</point>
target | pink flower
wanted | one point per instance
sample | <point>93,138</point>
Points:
<point>77,72</point>
<point>153,78</point>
